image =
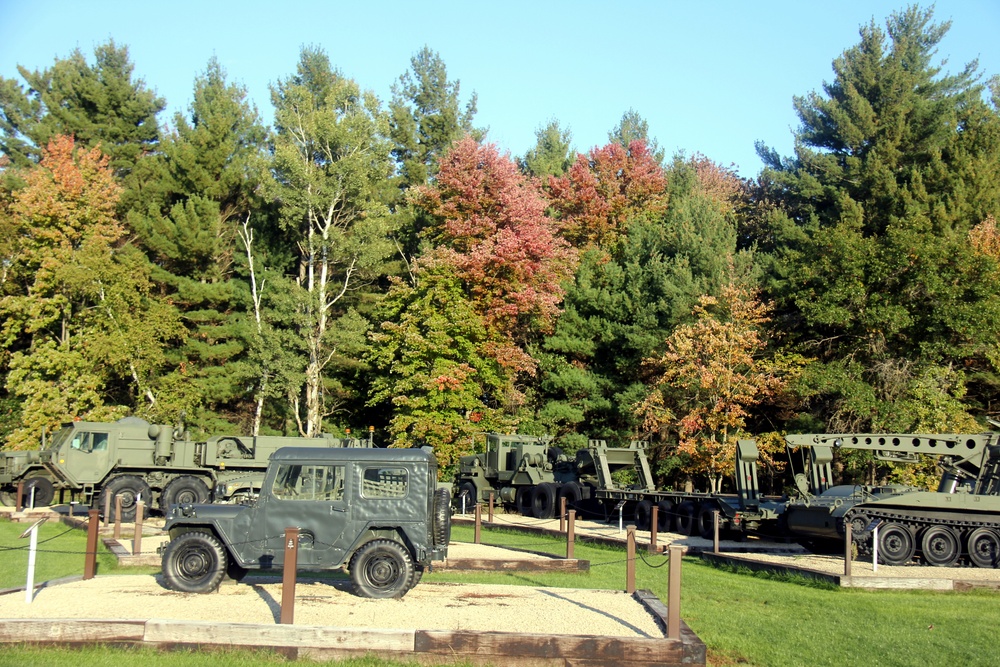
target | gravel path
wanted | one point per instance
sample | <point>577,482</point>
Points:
<point>428,606</point>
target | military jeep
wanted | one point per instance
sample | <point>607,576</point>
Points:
<point>375,513</point>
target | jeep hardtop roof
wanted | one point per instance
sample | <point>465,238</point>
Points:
<point>330,454</point>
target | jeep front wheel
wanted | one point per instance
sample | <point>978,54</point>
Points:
<point>382,569</point>
<point>194,563</point>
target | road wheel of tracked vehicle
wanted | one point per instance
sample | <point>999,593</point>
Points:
<point>543,500</point>
<point>381,569</point>
<point>442,518</point>
<point>984,547</point>
<point>940,546</point>
<point>573,494</point>
<point>183,490</point>
<point>467,492</point>
<point>522,499</point>
<point>194,563</point>
<point>130,488</point>
<point>643,513</point>
<point>664,516</point>
<point>706,521</point>
<point>43,490</point>
<point>685,518</point>
<point>895,544</point>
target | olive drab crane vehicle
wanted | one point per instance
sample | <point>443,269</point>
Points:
<point>134,460</point>
<point>958,522</point>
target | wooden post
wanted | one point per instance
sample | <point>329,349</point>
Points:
<point>715,531</point>
<point>654,521</point>
<point>107,510</point>
<point>630,560</point>
<point>570,534</point>
<point>288,576</point>
<point>479,524</point>
<point>90,558</point>
<point>562,514</point>
<point>674,593</point>
<point>848,552</point>
<point>490,519</point>
<point>18,502</point>
<point>118,517</point>
<point>137,534</point>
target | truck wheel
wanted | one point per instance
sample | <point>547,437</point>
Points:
<point>186,489</point>
<point>44,491</point>
<point>468,491</point>
<point>131,488</point>
<point>194,563</point>
<point>522,499</point>
<point>442,518</point>
<point>543,500</point>
<point>381,569</point>
<point>664,516</point>
<point>685,518</point>
<point>8,497</point>
<point>572,492</point>
<point>706,522</point>
<point>643,513</point>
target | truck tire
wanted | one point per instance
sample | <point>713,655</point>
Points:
<point>522,499</point>
<point>543,500</point>
<point>186,489</point>
<point>643,514</point>
<point>8,497</point>
<point>194,562</point>
<point>442,518</point>
<point>131,488</point>
<point>381,569</point>
<point>685,518</point>
<point>467,490</point>
<point>706,521</point>
<point>572,492</point>
<point>44,491</point>
<point>664,516</point>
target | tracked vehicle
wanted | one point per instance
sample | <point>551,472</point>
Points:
<point>959,523</point>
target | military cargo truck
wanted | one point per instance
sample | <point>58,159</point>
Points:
<point>133,459</point>
<point>375,512</point>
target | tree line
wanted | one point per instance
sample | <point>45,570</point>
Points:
<point>379,263</point>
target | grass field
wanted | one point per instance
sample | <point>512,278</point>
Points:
<point>743,619</point>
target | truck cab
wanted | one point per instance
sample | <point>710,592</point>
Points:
<point>376,513</point>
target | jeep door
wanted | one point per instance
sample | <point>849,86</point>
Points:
<point>311,497</point>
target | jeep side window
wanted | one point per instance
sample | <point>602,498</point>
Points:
<point>309,482</point>
<point>384,483</point>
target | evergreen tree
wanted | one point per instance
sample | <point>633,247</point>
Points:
<point>100,104</point>
<point>894,164</point>
<point>633,127</point>
<point>552,154</point>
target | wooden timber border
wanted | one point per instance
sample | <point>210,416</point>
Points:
<point>326,643</point>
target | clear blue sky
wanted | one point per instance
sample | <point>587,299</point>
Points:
<point>709,76</point>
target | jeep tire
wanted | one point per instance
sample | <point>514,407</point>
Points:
<point>382,569</point>
<point>194,562</point>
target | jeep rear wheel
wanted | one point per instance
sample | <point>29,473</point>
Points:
<point>194,563</point>
<point>382,569</point>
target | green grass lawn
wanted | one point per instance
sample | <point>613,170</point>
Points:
<point>744,619</point>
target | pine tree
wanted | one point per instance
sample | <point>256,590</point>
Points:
<point>552,154</point>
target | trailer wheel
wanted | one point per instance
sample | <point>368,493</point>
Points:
<point>382,569</point>
<point>543,500</point>
<point>186,489</point>
<point>664,516</point>
<point>131,488</point>
<point>706,521</point>
<point>940,546</point>
<point>895,544</point>
<point>442,517</point>
<point>194,562</point>
<point>984,547</point>
<point>685,518</point>
<point>44,491</point>
<point>522,499</point>
<point>643,514</point>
